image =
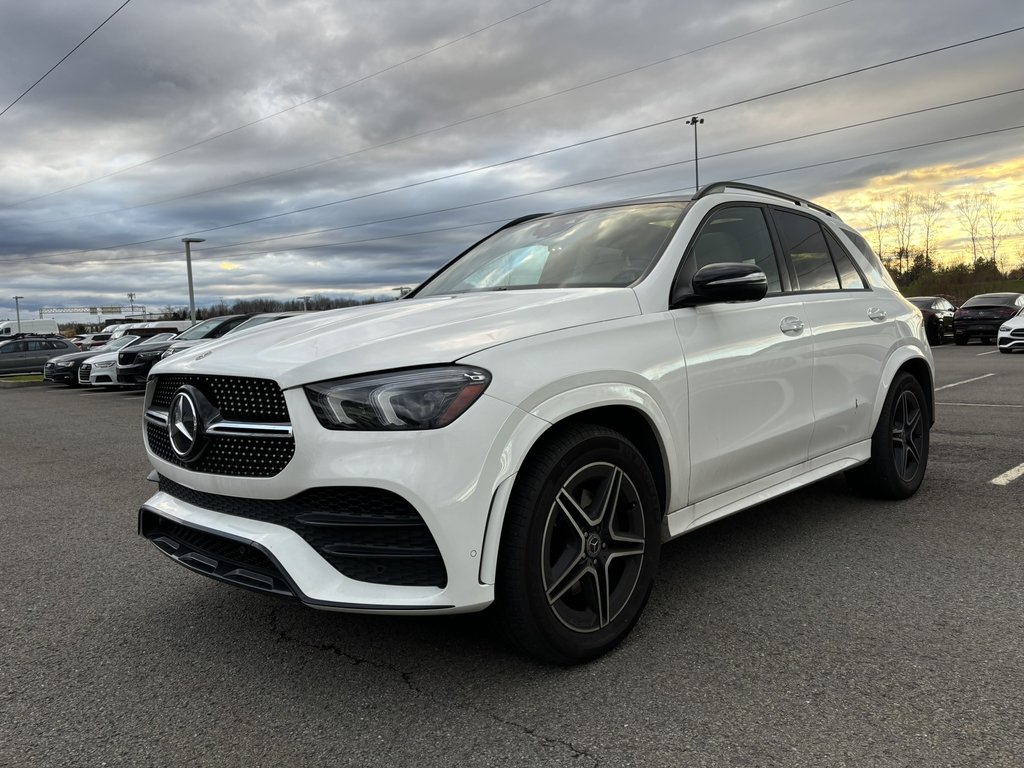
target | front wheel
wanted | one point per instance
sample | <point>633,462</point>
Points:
<point>899,445</point>
<point>580,546</point>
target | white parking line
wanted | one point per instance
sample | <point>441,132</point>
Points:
<point>990,352</point>
<point>1008,477</point>
<point>981,405</point>
<point>965,381</point>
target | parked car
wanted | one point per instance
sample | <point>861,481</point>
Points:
<point>980,316</point>
<point>529,425</point>
<point>100,370</point>
<point>28,354</point>
<point>938,316</point>
<point>133,364</point>
<point>1011,334</point>
<point>88,341</point>
<point>64,369</point>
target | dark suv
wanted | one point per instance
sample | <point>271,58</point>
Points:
<point>980,316</point>
<point>133,364</point>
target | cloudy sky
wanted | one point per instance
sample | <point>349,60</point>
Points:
<point>348,147</point>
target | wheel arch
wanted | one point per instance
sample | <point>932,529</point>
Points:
<point>637,419</point>
<point>912,361</point>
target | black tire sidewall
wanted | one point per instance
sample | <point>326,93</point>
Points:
<point>520,580</point>
<point>894,485</point>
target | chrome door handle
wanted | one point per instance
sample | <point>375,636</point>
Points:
<point>876,314</point>
<point>791,325</point>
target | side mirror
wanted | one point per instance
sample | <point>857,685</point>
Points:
<point>726,281</point>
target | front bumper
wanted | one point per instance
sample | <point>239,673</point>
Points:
<point>448,476</point>
<point>1013,340</point>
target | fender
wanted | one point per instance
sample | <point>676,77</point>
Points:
<point>899,357</point>
<point>549,413</point>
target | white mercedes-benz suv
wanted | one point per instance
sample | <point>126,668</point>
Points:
<point>531,424</point>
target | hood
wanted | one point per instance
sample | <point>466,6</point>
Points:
<point>398,334</point>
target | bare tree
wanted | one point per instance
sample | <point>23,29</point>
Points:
<point>901,216</point>
<point>929,206</point>
<point>879,223</point>
<point>991,224</point>
<point>968,207</point>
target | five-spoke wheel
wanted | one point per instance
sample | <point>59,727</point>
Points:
<point>580,546</point>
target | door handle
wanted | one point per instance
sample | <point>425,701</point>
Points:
<point>791,325</point>
<point>876,314</point>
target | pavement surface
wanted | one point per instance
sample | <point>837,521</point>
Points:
<point>821,629</point>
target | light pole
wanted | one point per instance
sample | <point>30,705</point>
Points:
<point>131,304</point>
<point>188,265</point>
<point>17,310</point>
<point>695,121</point>
<point>304,300</point>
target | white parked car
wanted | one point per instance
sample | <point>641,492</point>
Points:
<point>533,422</point>
<point>101,370</point>
<point>1011,334</point>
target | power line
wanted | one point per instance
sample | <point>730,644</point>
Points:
<point>148,258</point>
<point>542,153</point>
<point>66,56</point>
<point>447,126</point>
<point>258,120</point>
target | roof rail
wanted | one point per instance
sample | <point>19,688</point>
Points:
<point>721,186</point>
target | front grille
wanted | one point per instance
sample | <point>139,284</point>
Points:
<point>84,370</point>
<point>236,397</point>
<point>1017,333</point>
<point>237,456</point>
<point>368,534</point>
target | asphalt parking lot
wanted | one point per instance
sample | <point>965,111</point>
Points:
<point>821,629</point>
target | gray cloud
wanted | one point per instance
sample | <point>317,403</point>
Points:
<point>161,77</point>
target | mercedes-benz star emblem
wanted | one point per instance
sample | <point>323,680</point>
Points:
<point>183,425</point>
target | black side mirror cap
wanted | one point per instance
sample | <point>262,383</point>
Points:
<point>724,282</point>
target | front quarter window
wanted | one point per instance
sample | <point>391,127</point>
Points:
<point>610,247</point>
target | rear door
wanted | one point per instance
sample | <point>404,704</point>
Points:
<point>851,326</point>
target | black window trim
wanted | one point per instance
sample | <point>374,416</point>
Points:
<point>826,231</point>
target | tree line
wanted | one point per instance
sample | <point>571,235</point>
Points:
<point>904,232</point>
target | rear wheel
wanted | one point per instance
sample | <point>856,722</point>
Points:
<point>899,445</point>
<point>580,546</point>
<point>934,333</point>
<point>960,339</point>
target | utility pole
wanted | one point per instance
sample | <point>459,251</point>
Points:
<point>304,300</point>
<point>188,265</point>
<point>17,310</point>
<point>695,121</point>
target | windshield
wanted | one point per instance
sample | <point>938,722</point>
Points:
<point>201,330</point>
<point>610,247</point>
<point>116,344</point>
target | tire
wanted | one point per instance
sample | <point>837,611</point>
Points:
<point>960,339</point>
<point>986,340</point>
<point>899,445</point>
<point>934,334</point>
<point>573,578</point>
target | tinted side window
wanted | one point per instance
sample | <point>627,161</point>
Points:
<point>804,243</point>
<point>735,234</point>
<point>849,278</point>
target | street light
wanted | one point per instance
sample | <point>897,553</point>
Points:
<point>188,265</point>
<point>695,121</point>
<point>17,310</point>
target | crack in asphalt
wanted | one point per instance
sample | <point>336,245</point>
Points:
<point>406,678</point>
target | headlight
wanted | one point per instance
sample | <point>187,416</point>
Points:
<point>168,352</point>
<point>65,364</point>
<point>155,355</point>
<point>421,398</point>
<point>104,364</point>
<point>1004,329</point>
